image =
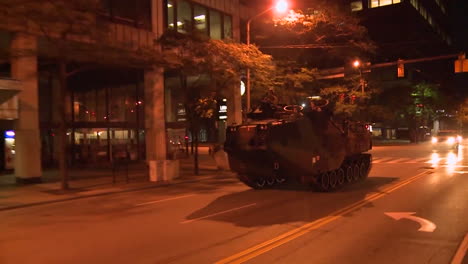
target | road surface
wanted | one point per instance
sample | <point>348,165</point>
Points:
<point>412,209</point>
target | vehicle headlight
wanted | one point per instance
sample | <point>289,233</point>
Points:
<point>450,140</point>
<point>434,140</point>
<point>459,138</point>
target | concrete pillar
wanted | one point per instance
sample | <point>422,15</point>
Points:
<point>28,145</point>
<point>234,105</point>
<point>155,126</point>
<point>160,169</point>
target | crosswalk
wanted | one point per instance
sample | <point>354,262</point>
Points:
<point>399,160</point>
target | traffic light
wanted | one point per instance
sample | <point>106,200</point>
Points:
<point>461,65</point>
<point>401,69</point>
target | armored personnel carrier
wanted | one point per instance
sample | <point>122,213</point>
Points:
<point>307,144</point>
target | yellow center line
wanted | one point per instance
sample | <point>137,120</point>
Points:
<point>266,246</point>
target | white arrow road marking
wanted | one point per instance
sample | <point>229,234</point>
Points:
<point>426,225</point>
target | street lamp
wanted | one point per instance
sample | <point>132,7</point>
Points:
<point>280,7</point>
<point>357,65</point>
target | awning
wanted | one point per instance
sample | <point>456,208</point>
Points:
<point>9,88</point>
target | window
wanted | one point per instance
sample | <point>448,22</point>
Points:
<point>356,5</point>
<point>378,3</point>
<point>136,13</point>
<point>441,5</point>
<point>215,25</point>
<point>200,17</point>
<point>227,27</point>
<point>170,14</point>
<point>184,16</point>
<point>429,20</point>
<point>423,11</point>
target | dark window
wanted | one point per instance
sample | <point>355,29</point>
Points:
<point>136,13</point>
<point>227,26</point>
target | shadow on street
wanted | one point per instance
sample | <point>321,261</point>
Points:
<point>289,205</point>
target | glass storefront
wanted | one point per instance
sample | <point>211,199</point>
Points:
<point>176,89</point>
<point>106,117</point>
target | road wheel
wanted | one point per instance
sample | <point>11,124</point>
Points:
<point>270,180</point>
<point>260,182</point>
<point>349,174</point>
<point>356,172</point>
<point>324,182</point>
<point>280,179</point>
<point>340,174</point>
<point>363,169</point>
<point>333,179</point>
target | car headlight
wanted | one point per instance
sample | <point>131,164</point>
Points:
<point>451,140</point>
<point>434,140</point>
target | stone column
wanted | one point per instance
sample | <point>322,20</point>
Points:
<point>160,169</point>
<point>155,124</point>
<point>234,105</point>
<point>27,141</point>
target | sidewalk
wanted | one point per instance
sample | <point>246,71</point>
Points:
<point>390,142</point>
<point>96,182</point>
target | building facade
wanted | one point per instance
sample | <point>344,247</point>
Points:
<point>111,112</point>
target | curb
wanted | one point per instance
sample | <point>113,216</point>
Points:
<point>162,184</point>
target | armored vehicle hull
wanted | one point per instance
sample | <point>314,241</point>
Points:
<point>311,148</point>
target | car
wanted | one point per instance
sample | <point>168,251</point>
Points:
<point>448,139</point>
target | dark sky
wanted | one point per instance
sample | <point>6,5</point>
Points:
<point>459,22</point>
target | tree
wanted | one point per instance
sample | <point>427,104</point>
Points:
<point>74,33</point>
<point>326,35</point>
<point>221,62</point>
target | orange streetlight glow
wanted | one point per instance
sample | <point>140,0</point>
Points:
<point>356,63</point>
<point>281,6</point>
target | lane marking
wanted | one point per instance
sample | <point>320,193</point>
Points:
<point>397,160</point>
<point>461,252</point>
<point>268,245</point>
<point>165,200</point>
<point>219,213</point>
<point>381,160</point>
<point>426,225</point>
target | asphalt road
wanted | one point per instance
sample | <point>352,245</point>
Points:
<point>223,221</point>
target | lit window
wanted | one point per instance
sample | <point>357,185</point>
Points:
<point>200,18</point>
<point>356,5</point>
<point>377,3</point>
<point>415,3</point>
<point>184,14</point>
<point>423,11</point>
<point>385,2</point>
<point>170,14</point>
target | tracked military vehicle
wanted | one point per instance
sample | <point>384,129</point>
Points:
<point>306,144</point>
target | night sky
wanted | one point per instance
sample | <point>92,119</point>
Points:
<point>459,22</point>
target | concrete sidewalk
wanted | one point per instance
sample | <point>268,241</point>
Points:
<point>93,182</point>
<point>390,142</point>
